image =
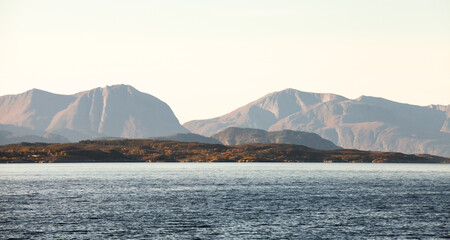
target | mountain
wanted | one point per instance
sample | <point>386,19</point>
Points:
<point>33,109</point>
<point>7,137</point>
<point>366,123</point>
<point>10,134</point>
<point>189,137</point>
<point>239,136</point>
<point>113,111</point>
<point>264,112</point>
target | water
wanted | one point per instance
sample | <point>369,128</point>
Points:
<point>224,201</point>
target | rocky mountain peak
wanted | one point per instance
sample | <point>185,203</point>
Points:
<point>113,111</point>
<point>367,123</point>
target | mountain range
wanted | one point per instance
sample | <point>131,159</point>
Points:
<point>121,111</point>
<point>366,123</point>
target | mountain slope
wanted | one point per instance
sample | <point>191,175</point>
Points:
<point>366,123</point>
<point>446,126</point>
<point>33,109</point>
<point>113,111</point>
<point>239,136</point>
<point>264,112</point>
<point>189,137</point>
<point>7,137</point>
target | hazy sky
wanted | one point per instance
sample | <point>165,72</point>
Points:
<point>206,58</point>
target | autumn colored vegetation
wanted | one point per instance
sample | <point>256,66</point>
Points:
<point>142,150</point>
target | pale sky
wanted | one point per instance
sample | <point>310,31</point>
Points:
<point>206,58</point>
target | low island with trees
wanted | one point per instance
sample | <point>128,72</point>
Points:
<point>146,150</point>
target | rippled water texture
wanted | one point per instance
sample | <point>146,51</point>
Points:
<point>224,201</point>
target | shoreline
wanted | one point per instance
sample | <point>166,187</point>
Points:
<point>145,150</point>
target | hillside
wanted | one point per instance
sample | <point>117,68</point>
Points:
<point>188,137</point>
<point>170,151</point>
<point>7,137</point>
<point>239,136</point>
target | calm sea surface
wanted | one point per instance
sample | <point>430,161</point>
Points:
<point>224,201</point>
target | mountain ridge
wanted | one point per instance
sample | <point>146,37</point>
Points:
<point>8,137</point>
<point>263,112</point>
<point>240,136</point>
<point>112,111</point>
<point>188,137</point>
<point>366,123</point>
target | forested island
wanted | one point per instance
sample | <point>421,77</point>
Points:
<point>171,151</point>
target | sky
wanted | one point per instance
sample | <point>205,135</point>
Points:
<point>206,58</point>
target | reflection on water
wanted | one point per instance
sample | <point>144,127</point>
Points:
<point>224,200</point>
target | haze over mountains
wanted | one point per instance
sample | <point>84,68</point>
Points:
<point>113,111</point>
<point>366,123</point>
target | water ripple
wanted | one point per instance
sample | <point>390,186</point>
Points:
<point>224,201</point>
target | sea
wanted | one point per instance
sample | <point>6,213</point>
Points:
<point>224,201</point>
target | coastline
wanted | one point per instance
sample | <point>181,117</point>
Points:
<point>144,150</point>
